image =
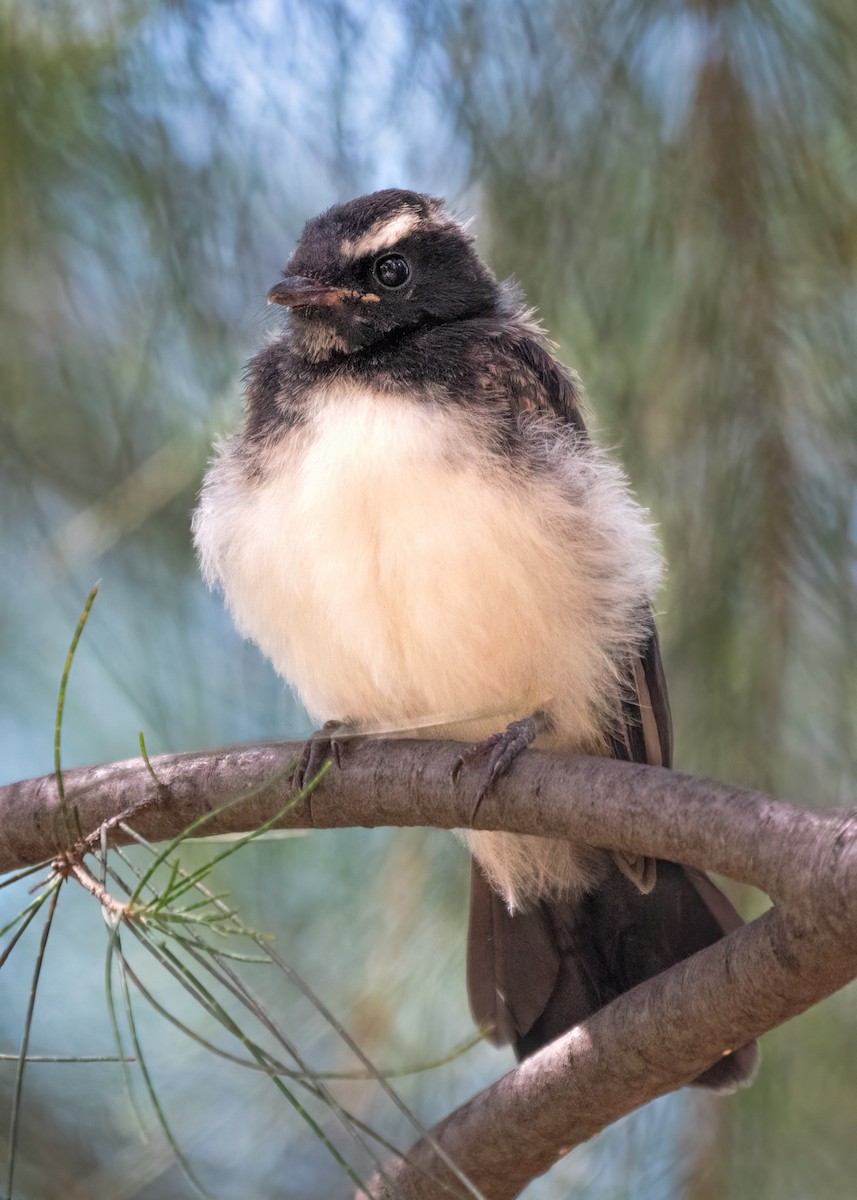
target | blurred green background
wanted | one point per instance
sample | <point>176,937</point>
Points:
<point>675,185</point>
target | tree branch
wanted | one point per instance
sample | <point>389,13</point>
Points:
<point>648,1041</point>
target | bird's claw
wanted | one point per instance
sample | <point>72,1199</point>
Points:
<point>466,757</point>
<point>507,746</point>
<point>317,749</point>
<point>502,748</point>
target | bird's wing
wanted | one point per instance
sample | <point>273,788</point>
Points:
<point>518,373</point>
<point>533,975</point>
<point>645,735</point>
<point>520,964</point>
<point>648,720</point>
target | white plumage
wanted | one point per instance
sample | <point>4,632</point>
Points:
<point>400,576</point>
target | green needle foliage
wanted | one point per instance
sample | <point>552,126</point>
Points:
<point>158,909</point>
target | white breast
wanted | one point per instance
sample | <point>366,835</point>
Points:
<point>399,576</point>
<point>395,574</point>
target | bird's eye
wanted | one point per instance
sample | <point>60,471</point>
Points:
<point>391,271</point>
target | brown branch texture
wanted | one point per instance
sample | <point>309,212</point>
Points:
<point>649,1041</point>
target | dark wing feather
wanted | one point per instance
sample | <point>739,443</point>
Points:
<point>533,975</point>
<point>517,374</point>
<point>505,1000</point>
<point>654,702</point>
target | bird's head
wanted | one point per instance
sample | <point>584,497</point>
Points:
<point>377,267</point>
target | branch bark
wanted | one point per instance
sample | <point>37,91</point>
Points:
<point>649,1041</point>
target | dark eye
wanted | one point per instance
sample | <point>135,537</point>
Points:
<point>391,271</point>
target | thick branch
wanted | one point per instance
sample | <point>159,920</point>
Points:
<point>624,806</point>
<point>653,1039</point>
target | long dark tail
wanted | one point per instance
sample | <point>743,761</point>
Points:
<point>533,975</point>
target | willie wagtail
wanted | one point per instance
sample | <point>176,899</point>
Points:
<point>415,526</point>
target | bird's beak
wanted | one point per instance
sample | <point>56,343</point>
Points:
<point>296,291</point>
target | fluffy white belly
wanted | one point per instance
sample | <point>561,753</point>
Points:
<point>395,576</point>
<point>402,578</point>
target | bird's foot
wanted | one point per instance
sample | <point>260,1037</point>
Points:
<point>320,746</point>
<point>502,749</point>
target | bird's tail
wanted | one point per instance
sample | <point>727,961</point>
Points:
<point>533,975</point>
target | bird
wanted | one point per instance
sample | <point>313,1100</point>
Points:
<point>416,526</point>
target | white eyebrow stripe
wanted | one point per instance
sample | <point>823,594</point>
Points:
<point>385,232</point>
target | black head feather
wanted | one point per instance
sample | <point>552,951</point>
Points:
<point>378,266</point>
